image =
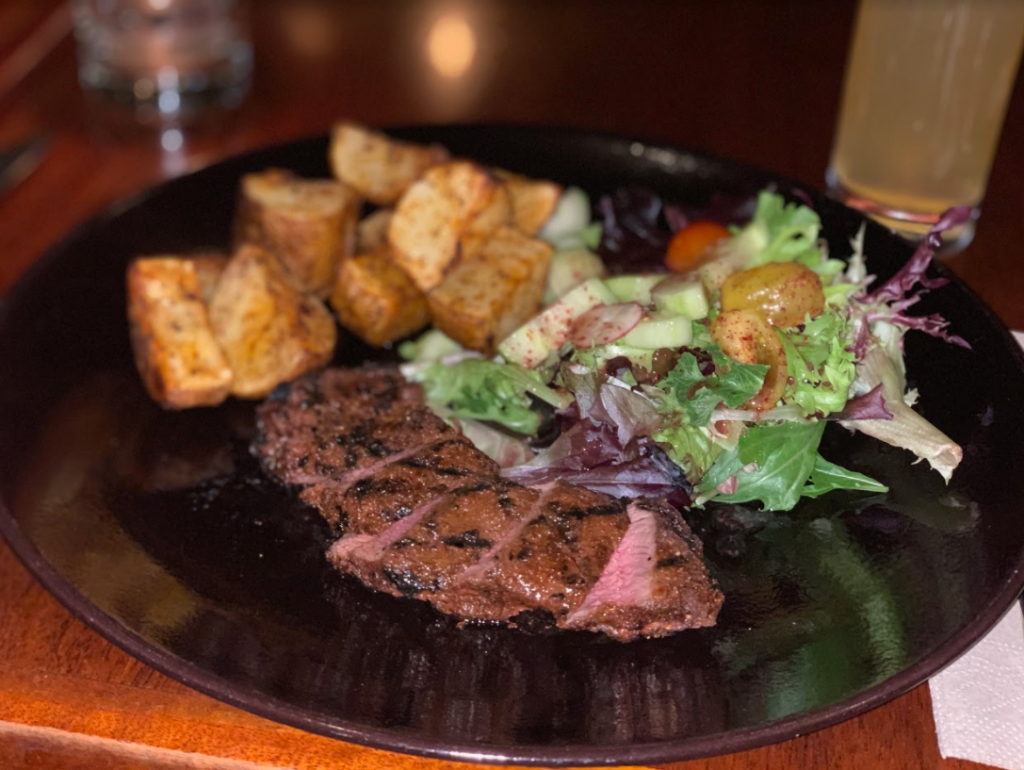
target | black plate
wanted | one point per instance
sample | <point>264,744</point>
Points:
<point>158,531</point>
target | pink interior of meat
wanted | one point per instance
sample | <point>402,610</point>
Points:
<point>626,579</point>
<point>370,547</point>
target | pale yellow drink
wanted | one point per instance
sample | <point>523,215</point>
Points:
<point>925,95</point>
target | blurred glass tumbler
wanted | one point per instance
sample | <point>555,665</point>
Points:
<point>168,60</point>
<point>927,85</point>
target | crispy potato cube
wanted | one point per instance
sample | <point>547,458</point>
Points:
<point>533,200</point>
<point>376,300</point>
<point>379,167</point>
<point>269,331</point>
<point>308,224</point>
<point>445,215</point>
<point>482,300</point>
<point>485,223</point>
<point>372,231</point>
<point>209,266</point>
<point>175,350</point>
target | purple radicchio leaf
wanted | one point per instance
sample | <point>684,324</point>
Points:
<point>641,469</point>
<point>632,413</point>
<point>633,238</point>
<point>868,406</point>
<point>721,208</point>
<point>890,301</point>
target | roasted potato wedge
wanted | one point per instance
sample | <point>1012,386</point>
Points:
<point>533,200</point>
<point>308,224</point>
<point>270,332</point>
<point>444,216</point>
<point>380,168</point>
<point>482,226</point>
<point>483,299</point>
<point>175,350</point>
<point>209,266</point>
<point>372,230</point>
<point>376,300</point>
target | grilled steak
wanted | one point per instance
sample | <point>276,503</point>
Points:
<point>419,512</point>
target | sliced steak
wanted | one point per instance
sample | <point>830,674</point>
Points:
<point>549,561</point>
<point>654,583</point>
<point>426,552</point>
<point>403,481</point>
<point>422,513</point>
<point>342,422</point>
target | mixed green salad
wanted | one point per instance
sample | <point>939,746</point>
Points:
<point>695,373</point>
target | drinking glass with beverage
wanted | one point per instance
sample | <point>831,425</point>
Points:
<point>165,59</point>
<point>926,91</point>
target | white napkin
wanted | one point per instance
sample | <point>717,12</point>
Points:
<point>978,701</point>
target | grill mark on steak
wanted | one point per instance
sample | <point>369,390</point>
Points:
<point>421,513</point>
<point>424,550</point>
<point>489,558</point>
<point>371,547</point>
<point>468,539</point>
<point>375,500</point>
<point>343,419</point>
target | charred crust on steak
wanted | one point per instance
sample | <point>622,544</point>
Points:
<point>401,512</point>
<point>670,561</point>
<point>470,489</point>
<point>407,583</point>
<point>340,518</point>
<point>468,539</point>
<point>615,508</point>
<point>361,488</point>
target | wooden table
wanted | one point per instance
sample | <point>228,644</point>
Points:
<point>755,81</point>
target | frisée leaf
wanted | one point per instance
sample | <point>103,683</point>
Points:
<point>820,363</point>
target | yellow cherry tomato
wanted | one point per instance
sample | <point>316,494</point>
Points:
<point>783,292</point>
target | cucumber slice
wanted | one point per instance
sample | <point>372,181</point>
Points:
<point>640,356</point>
<point>571,214</point>
<point>662,330</point>
<point>432,345</point>
<point>588,238</point>
<point>569,269</point>
<point>634,288</point>
<point>530,344</point>
<point>683,296</point>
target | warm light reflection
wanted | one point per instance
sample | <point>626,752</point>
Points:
<point>310,29</point>
<point>451,45</point>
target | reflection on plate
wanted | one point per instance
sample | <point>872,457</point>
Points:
<point>159,531</point>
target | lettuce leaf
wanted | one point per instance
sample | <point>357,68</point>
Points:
<point>777,465</point>
<point>690,448</point>
<point>790,230</point>
<point>780,232</point>
<point>479,389</point>
<point>904,428</point>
